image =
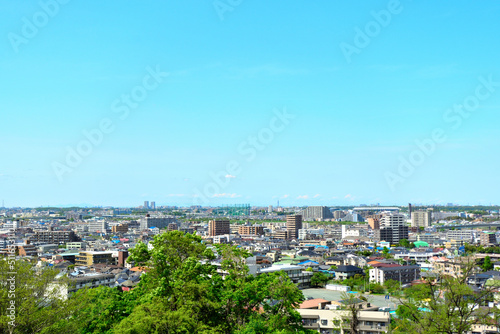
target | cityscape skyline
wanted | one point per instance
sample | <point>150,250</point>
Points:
<point>311,104</point>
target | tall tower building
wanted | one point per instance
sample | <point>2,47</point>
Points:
<point>153,205</point>
<point>146,204</point>
<point>219,227</point>
<point>392,228</point>
<point>293,225</point>
<point>421,218</point>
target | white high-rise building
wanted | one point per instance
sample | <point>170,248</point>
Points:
<point>393,228</point>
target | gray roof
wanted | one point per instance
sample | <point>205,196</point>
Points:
<point>347,269</point>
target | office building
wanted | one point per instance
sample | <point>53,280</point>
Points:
<point>218,227</point>
<point>293,225</point>
<point>153,206</point>
<point>146,204</point>
<point>421,218</point>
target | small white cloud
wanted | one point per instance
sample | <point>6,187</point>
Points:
<point>286,196</point>
<point>224,195</point>
<point>349,196</point>
<point>316,196</point>
<point>303,197</point>
<point>229,176</point>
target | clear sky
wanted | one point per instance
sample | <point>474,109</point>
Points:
<point>307,102</point>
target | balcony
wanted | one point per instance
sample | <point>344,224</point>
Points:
<point>373,328</point>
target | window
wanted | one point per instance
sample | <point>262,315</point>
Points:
<point>324,322</point>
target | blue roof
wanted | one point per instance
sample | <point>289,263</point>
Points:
<point>308,261</point>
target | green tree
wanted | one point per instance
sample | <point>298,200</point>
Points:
<point>392,285</point>
<point>376,288</point>
<point>37,302</point>
<point>404,243</point>
<point>487,265</point>
<point>319,279</point>
<point>184,293</point>
<point>448,305</point>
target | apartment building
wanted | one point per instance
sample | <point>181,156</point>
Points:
<point>83,281</point>
<point>120,228</point>
<point>374,223</point>
<point>89,258</point>
<point>293,225</point>
<point>427,237</point>
<point>403,274</point>
<point>173,227</point>
<point>418,257</point>
<point>450,268</point>
<point>251,230</point>
<point>393,228</point>
<point>466,235</point>
<point>160,222</point>
<point>316,213</point>
<point>488,238</point>
<point>281,234</point>
<point>26,250</point>
<point>219,227</point>
<point>421,218</point>
<point>98,226</point>
<point>76,245</point>
<point>54,237</point>
<point>330,321</point>
<point>297,274</point>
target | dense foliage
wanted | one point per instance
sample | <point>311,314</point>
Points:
<point>182,292</point>
<point>447,305</point>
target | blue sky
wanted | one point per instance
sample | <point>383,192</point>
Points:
<point>353,119</point>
